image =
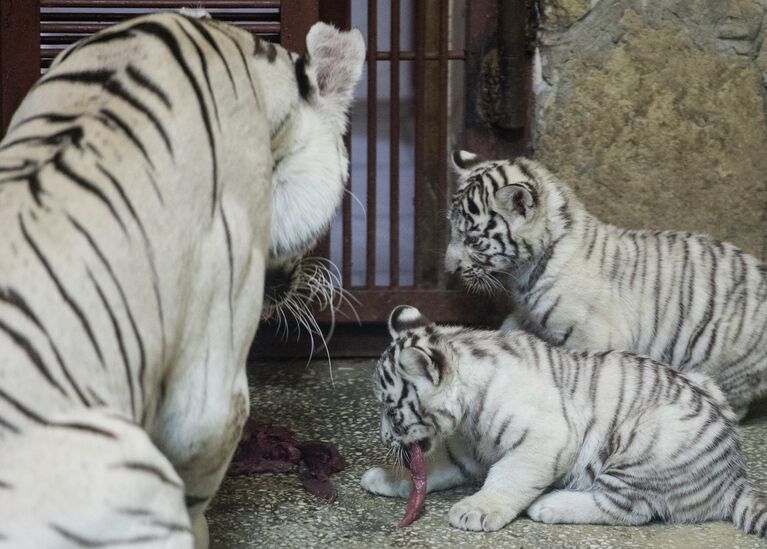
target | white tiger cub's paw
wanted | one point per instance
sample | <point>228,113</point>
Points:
<point>385,483</point>
<point>480,512</point>
<point>552,508</point>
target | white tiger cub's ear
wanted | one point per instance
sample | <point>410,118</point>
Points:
<point>404,318</point>
<point>464,161</point>
<point>518,202</point>
<point>416,363</point>
<point>337,58</point>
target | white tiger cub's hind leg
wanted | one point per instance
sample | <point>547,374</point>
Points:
<point>576,507</point>
<point>88,478</point>
<point>448,466</point>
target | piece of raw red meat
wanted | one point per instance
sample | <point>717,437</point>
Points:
<point>266,448</point>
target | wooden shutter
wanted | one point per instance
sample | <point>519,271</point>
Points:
<point>33,32</point>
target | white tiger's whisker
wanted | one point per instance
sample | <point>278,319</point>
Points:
<point>358,201</point>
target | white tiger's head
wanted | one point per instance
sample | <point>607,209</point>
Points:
<point>414,383</point>
<point>501,218</point>
<point>310,161</point>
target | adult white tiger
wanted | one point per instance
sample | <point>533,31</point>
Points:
<point>687,300</point>
<point>137,184</point>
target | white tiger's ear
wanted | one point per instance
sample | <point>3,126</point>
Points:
<point>416,363</point>
<point>464,161</point>
<point>404,318</point>
<point>518,202</point>
<point>337,58</point>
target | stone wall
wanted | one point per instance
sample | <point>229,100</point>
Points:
<point>654,111</point>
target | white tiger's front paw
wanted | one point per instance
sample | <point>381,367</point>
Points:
<point>550,509</point>
<point>480,513</point>
<point>200,531</point>
<point>382,482</point>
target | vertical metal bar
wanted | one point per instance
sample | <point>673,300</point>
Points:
<point>512,49</point>
<point>420,164</point>
<point>372,98</point>
<point>346,234</point>
<point>19,54</point>
<point>442,138</point>
<point>394,123</point>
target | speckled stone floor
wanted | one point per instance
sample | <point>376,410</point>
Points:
<point>272,511</point>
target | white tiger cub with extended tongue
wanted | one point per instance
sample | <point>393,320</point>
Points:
<point>145,183</point>
<point>623,439</point>
<point>688,300</point>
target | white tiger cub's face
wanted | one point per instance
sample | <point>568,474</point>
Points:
<point>412,382</point>
<point>495,219</point>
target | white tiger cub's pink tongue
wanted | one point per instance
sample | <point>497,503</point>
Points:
<point>417,498</point>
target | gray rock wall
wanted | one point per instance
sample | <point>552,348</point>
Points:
<point>654,111</point>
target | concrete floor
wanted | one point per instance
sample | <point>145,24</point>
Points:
<point>273,511</point>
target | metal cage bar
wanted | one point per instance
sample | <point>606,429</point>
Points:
<point>394,126</point>
<point>372,127</point>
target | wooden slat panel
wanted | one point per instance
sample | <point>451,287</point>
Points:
<point>63,22</point>
<point>110,17</point>
<point>175,4</point>
<point>90,28</point>
<point>19,54</point>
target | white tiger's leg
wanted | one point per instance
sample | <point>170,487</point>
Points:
<point>448,466</point>
<point>200,438</point>
<point>88,478</point>
<point>203,472</point>
<point>592,507</point>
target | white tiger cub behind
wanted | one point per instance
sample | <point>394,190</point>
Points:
<point>146,181</point>
<point>683,299</point>
<point>622,439</point>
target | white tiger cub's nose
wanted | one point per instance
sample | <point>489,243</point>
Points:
<point>453,257</point>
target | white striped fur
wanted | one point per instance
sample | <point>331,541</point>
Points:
<point>684,299</point>
<point>571,437</point>
<point>146,182</point>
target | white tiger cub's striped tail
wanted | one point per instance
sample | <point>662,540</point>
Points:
<point>749,508</point>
